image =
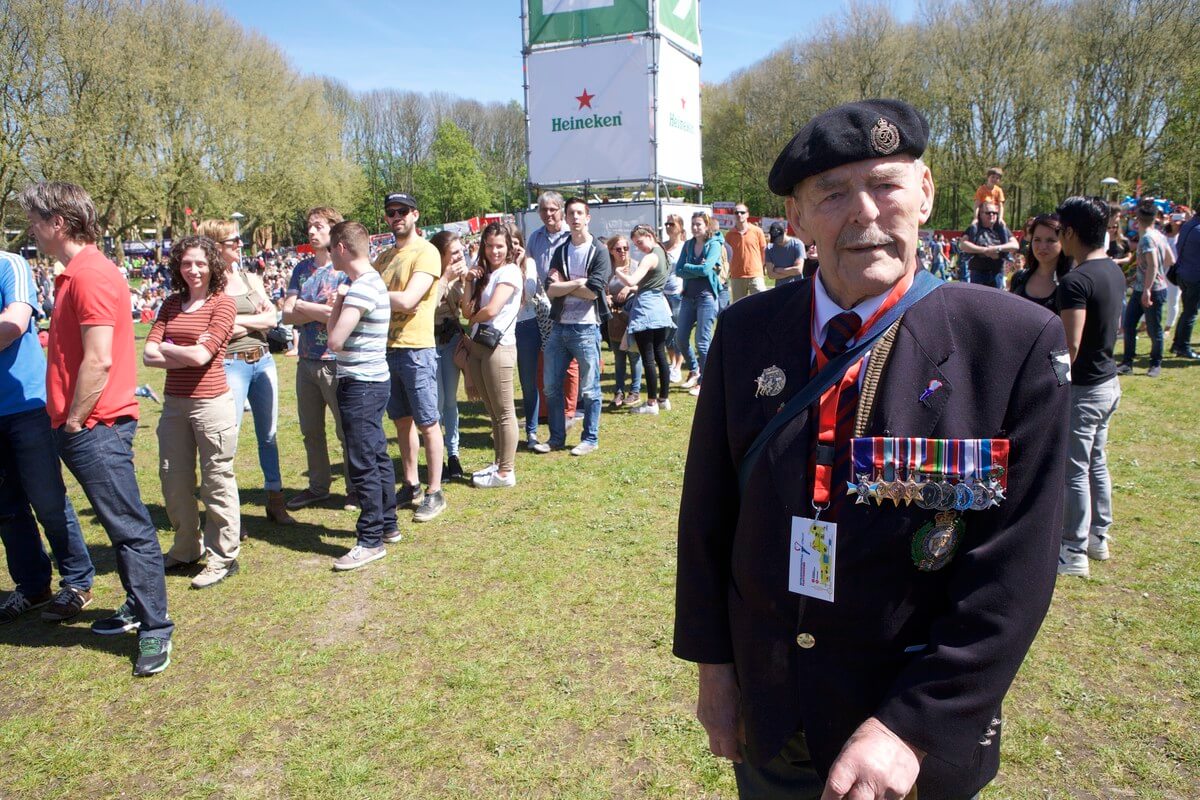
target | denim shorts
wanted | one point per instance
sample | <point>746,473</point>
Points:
<point>414,385</point>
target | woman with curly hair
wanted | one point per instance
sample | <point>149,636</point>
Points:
<point>188,340</point>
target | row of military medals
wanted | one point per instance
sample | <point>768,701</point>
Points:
<point>949,476</point>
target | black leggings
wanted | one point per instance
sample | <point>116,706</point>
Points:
<point>653,347</point>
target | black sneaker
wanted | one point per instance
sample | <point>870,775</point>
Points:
<point>121,621</point>
<point>154,655</point>
<point>432,504</point>
<point>454,470</point>
<point>410,496</point>
<point>17,604</point>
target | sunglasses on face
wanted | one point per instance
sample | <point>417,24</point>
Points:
<point>393,213</point>
<point>742,213</point>
<point>620,249</point>
<point>232,240</point>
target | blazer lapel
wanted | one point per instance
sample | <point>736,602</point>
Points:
<point>914,391</point>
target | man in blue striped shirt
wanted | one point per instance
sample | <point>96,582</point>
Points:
<point>358,330</point>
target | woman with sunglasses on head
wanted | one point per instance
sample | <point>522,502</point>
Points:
<point>188,340</point>
<point>698,265</point>
<point>492,296</point>
<point>620,295</point>
<point>673,291</point>
<point>1045,263</point>
<point>448,332</point>
<point>650,316</point>
<point>249,367</point>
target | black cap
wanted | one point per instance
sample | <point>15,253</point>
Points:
<point>776,230</point>
<point>401,199</point>
<point>851,132</point>
<point>1146,207</point>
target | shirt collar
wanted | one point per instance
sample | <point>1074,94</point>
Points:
<point>827,309</point>
<point>75,264</point>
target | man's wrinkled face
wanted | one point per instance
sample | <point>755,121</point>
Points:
<point>864,219</point>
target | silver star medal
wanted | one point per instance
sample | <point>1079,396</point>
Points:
<point>770,382</point>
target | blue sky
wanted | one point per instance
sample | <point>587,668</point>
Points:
<point>472,48</point>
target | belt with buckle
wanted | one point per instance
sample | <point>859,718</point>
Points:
<point>249,356</point>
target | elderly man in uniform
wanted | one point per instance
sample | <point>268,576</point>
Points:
<point>861,605</point>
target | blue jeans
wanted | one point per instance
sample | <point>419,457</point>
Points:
<point>985,278</point>
<point>1129,324</point>
<point>30,475</point>
<point>624,358</point>
<point>1189,293</point>
<point>582,343</point>
<point>258,383</point>
<point>101,459</point>
<point>699,313</point>
<point>447,382</point>
<point>369,467</point>
<point>529,344</point>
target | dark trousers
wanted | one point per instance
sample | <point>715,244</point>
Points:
<point>987,278</point>
<point>652,346</point>
<point>368,465</point>
<point>31,483</point>
<point>1129,325</point>
<point>788,776</point>
<point>1189,293</point>
<point>101,459</point>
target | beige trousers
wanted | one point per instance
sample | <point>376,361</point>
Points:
<point>209,428</point>
<point>743,287</point>
<point>492,373</point>
<point>316,390</point>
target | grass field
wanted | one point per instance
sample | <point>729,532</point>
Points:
<point>520,645</point>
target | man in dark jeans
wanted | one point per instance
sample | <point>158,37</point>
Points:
<point>90,381</point>
<point>1188,260</point>
<point>31,482</point>
<point>985,243</point>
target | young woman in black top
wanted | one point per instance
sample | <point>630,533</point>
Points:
<point>1045,263</point>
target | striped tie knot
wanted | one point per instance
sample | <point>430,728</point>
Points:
<point>840,330</point>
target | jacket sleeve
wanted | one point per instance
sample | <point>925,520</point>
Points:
<point>599,271</point>
<point>705,269</point>
<point>944,700</point>
<point>708,515</point>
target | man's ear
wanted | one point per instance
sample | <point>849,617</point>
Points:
<point>927,192</point>
<point>791,210</point>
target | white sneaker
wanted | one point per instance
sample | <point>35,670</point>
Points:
<point>692,380</point>
<point>694,391</point>
<point>358,556</point>
<point>646,408</point>
<point>1072,562</point>
<point>676,374</point>
<point>493,480</point>
<point>1098,548</point>
<point>488,470</point>
<point>583,448</point>
<point>664,405</point>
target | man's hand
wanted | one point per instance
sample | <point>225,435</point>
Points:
<point>1147,300</point>
<point>71,426</point>
<point>875,764</point>
<point>718,709</point>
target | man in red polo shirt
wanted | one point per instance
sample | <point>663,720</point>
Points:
<point>90,378</point>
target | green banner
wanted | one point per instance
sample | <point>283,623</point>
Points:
<point>681,18</point>
<point>552,21</point>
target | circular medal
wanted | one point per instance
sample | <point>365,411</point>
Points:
<point>930,495</point>
<point>983,497</point>
<point>946,496</point>
<point>936,542</point>
<point>964,498</point>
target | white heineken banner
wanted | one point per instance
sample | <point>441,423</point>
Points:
<point>555,22</point>
<point>678,123</point>
<point>589,113</point>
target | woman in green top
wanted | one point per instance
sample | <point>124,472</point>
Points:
<point>249,367</point>
<point>650,317</point>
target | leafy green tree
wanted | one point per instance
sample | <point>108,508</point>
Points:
<point>453,187</point>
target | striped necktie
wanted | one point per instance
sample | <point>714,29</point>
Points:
<point>838,334</point>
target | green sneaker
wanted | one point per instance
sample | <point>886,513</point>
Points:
<point>121,621</point>
<point>154,655</point>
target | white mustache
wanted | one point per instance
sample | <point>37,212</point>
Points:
<point>870,237</point>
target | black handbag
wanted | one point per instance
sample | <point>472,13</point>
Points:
<point>279,339</point>
<point>487,336</point>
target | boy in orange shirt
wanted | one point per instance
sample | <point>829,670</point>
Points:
<point>990,192</point>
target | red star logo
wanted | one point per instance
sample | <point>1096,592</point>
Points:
<point>585,99</point>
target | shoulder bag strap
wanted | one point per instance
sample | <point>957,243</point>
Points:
<point>923,284</point>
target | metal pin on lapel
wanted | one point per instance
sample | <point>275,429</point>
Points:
<point>933,386</point>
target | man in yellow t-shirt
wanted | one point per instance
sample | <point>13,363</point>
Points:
<point>410,270</point>
<point>990,192</point>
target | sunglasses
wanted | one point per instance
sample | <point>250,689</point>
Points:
<point>620,249</point>
<point>742,213</point>
<point>402,211</point>
<point>232,240</point>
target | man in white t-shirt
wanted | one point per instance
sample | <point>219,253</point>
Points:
<point>578,275</point>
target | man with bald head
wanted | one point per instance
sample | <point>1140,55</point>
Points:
<point>860,608</point>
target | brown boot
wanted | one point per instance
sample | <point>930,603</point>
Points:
<point>277,509</point>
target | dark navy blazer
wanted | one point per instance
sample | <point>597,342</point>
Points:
<point>931,654</point>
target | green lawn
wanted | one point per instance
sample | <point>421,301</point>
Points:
<point>520,645</point>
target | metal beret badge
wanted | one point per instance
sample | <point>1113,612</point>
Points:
<point>885,137</point>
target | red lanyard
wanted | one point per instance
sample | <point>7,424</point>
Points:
<point>828,409</point>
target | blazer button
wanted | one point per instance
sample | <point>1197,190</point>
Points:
<point>806,641</point>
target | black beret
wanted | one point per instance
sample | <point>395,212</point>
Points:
<point>851,132</point>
